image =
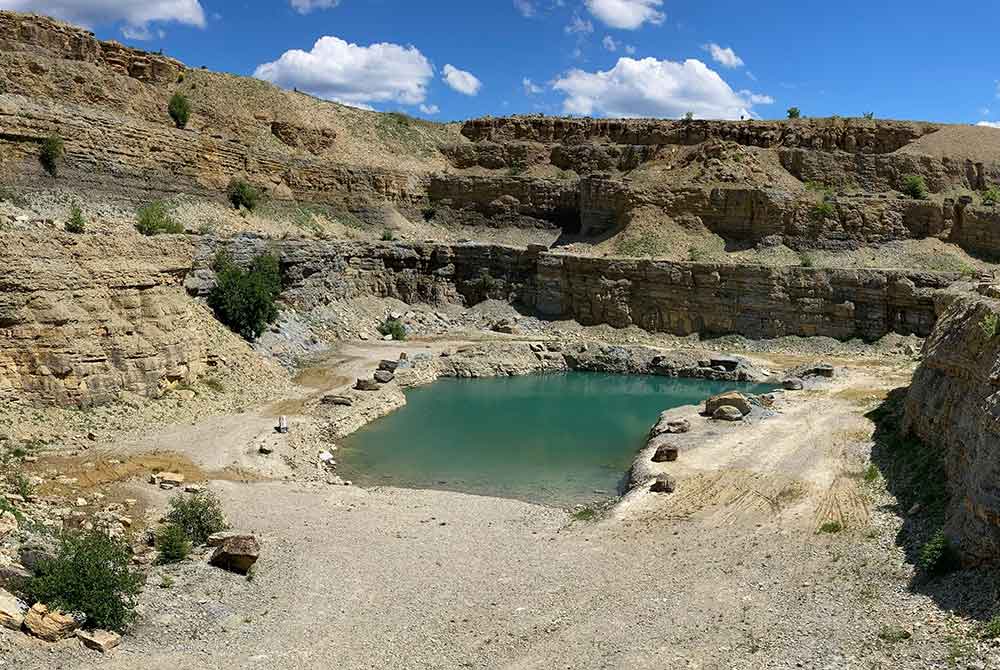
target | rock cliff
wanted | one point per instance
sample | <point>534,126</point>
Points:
<point>954,405</point>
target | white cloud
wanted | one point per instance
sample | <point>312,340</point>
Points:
<point>989,124</point>
<point>626,14</point>
<point>526,7</point>
<point>464,82</point>
<point>136,16</point>
<point>530,87</point>
<point>306,6</point>
<point>651,87</point>
<point>609,43</point>
<point>579,26</point>
<point>725,57</point>
<point>352,74</point>
<point>430,110</point>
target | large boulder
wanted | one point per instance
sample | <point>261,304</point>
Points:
<point>383,376</point>
<point>236,554</point>
<point>729,399</point>
<point>727,413</point>
<point>665,453</point>
<point>49,625</point>
<point>366,385</point>
<point>10,611</point>
<point>662,484</point>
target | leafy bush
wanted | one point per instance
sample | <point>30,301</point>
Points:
<point>172,544</point>
<point>806,261</point>
<point>914,186</point>
<point>76,223</point>
<point>52,153</point>
<point>242,194</point>
<point>198,515</point>
<point>242,299</point>
<point>794,113</point>
<point>393,327</point>
<point>179,109</point>
<point>21,485</point>
<point>831,527</point>
<point>937,556</point>
<point>90,573</point>
<point>387,235</point>
<point>689,116</point>
<point>823,210</point>
<point>155,219</point>
<point>991,196</point>
<point>991,629</point>
<point>989,325</point>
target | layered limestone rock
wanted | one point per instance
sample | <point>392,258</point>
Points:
<point>954,405</point>
<point>82,319</point>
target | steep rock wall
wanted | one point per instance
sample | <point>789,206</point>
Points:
<point>954,405</point>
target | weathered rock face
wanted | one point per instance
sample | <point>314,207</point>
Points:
<point>49,625</point>
<point>954,405</point>
<point>81,320</point>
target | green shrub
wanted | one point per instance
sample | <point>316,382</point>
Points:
<point>8,194</point>
<point>242,194</point>
<point>991,196</point>
<point>21,485</point>
<point>198,515</point>
<point>794,113</point>
<point>824,210</point>
<point>387,235</point>
<point>991,629</point>
<point>937,556</point>
<point>90,573</point>
<point>76,223</point>
<point>393,327</point>
<point>689,116</point>
<point>915,186</point>
<point>179,109</point>
<point>155,219</point>
<point>806,261</point>
<point>831,527</point>
<point>989,325</point>
<point>872,473</point>
<point>242,299</point>
<point>52,153</point>
<point>172,544</point>
<point>894,634</point>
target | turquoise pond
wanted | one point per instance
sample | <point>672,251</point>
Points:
<point>558,439</point>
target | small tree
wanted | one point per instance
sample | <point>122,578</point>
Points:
<point>242,299</point>
<point>914,186</point>
<point>172,544</point>
<point>90,573</point>
<point>52,153</point>
<point>991,196</point>
<point>76,223</point>
<point>155,218</point>
<point>198,515</point>
<point>242,194</point>
<point>689,116</point>
<point>794,113</point>
<point>179,109</point>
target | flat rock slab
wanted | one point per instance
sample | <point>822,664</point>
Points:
<point>10,611</point>
<point>366,385</point>
<point>99,640</point>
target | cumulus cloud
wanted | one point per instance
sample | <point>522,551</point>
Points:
<point>725,57</point>
<point>530,87</point>
<point>626,14</point>
<point>306,6</point>
<point>609,43</point>
<point>430,110</point>
<point>464,82</point>
<point>659,88</point>
<point>136,16</point>
<point>989,124</point>
<point>352,74</point>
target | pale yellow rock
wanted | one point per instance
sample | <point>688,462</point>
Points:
<point>99,640</point>
<point>49,625</point>
<point>10,612</point>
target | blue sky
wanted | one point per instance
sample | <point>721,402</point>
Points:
<point>459,59</point>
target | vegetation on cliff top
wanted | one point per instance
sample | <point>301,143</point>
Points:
<point>244,299</point>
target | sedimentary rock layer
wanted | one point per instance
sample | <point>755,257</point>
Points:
<point>954,405</point>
